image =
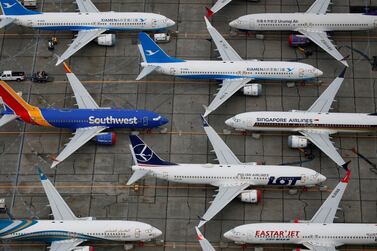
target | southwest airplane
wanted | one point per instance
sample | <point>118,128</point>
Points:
<point>318,234</point>
<point>316,124</point>
<point>89,121</point>
<point>233,70</point>
<point>313,24</point>
<point>67,231</point>
<point>230,176</point>
<point>89,22</point>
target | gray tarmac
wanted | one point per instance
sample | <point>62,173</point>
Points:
<point>93,179</point>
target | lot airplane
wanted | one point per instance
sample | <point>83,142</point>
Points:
<point>66,232</point>
<point>316,124</point>
<point>89,22</point>
<point>88,121</point>
<point>231,176</point>
<point>313,24</point>
<point>235,72</point>
<point>318,234</point>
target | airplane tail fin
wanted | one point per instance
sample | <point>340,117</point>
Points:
<point>15,8</point>
<point>144,155</point>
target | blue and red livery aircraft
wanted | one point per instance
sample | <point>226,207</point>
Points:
<point>89,120</point>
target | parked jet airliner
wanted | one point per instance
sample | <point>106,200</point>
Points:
<point>231,176</point>
<point>316,124</point>
<point>318,234</point>
<point>89,22</point>
<point>67,231</point>
<point>89,121</point>
<point>235,72</point>
<point>313,24</point>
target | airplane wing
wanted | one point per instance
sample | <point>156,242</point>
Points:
<point>5,119</point>
<point>226,51</point>
<point>65,245</point>
<point>83,98</point>
<point>204,243</point>
<point>322,140</point>
<point>323,103</point>
<point>322,40</point>
<point>319,246</point>
<point>82,135</point>
<point>218,6</point>
<point>60,209</point>
<point>229,87</point>
<point>225,195</point>
<point>83,38</point>
<point>319,7</point>
<point>224,155</point>
<point>86,6</point>
<point>326,213</point>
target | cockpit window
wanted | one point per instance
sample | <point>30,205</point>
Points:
<point>236,120</point>
<point>157,119</point>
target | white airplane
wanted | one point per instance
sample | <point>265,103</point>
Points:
<point>313,24</point>
<point>318,234</point>
<point>89,22</point>
<point>235,72</point>
<point>231,176</point>
<point>67,231</point>
<point>316,124</point>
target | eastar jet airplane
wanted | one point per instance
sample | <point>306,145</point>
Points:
<point>318,234</point>
<point>89,22</point>
<point>314,24</point>
<point>316,124</point>
<point>89,121</point>
<point>67,231</point>
<point>231,176</point>
<point>235,72</point>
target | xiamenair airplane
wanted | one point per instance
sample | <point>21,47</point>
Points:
<point>316,124</point>
<point>235,72</point>
<point>66,231</point>
<point>313,24</point>
<point>88,121</point>
<point>89,22</point>
<point>318,234</point>
<point>230,176</point>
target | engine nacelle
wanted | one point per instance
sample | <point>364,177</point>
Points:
<point>298,40</point>
<point>84,248</point>
<point>295,141</point>
<point>106,39</point>
<point>106,138</point>
<point>251,196</point>
<point>252,90</point>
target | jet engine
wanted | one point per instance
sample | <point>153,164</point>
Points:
<point>295,141</point>
<point>252,90</point>
<point>251,196</point>
<point>106,138</point>
<point>106,39</point>
<point>298,40</point>
<point>84,248</point>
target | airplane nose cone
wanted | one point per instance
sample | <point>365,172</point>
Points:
<point>321,178</point>
<point>164,121</point>
<point>156,232</point>
<point>318,73</point>
<point>229,122</point>
<point>170,22</point>
<point>233,24</point>
<point>228,235</point>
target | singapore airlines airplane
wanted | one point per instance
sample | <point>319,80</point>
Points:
<point>89,121</point>
<point>231,176</point>
<point>235,72</point>
<point>314,24</point>
<point>316,124</point>
<point>89,22</point>
<point>318,234</point>
<point>67,231</point>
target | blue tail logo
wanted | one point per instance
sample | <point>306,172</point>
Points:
<point>145,155</point>
<point>15,8</point>
<point>152,52</point>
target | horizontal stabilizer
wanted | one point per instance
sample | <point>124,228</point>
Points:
<point>5,21</point>
<point>146,71</point>
<point>137,175</point>
<point>7,118</point>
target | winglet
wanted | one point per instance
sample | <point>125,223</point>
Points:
<point>346,178</point>
<point>67,69</point>
<point>199,234</point>
<point>205,122</point>
<point>343,73</point>
<point>345,165</point>
<point>209,12</point>
<point>42,176</point>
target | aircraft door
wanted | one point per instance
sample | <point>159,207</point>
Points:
<point>165,175</point>
<point>301,73</point>
<point>375,23</point>
<point>172,71</point>
<point>137,233</point>
<point>145,121</point>
<point>303,178</point>
<point>154,23</point>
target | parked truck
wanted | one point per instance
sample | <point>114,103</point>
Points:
<point>12,76</point>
